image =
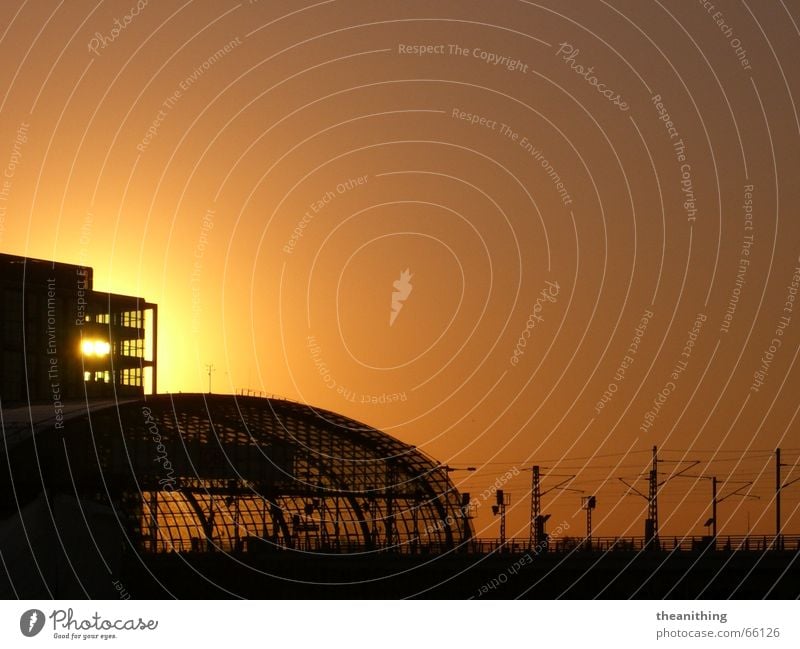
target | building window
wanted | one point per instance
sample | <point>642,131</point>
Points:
<point>132,376</point>
<point>133,347</point>
<point>133,319</point>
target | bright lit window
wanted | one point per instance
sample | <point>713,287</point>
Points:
<point>95,347</point>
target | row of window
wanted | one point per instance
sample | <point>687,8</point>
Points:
<point>39,305</point>
<point>133,347</point>
<point>97,377</point>
<point>126,319</point>
<point>132,319</point>
<point>132,376</point>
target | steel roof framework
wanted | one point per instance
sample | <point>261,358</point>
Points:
<point>211,473</point>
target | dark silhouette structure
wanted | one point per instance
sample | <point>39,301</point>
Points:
<point>63,340</point>
<point>195,495</point>
<point>213,496</point>
<point>211,474</point>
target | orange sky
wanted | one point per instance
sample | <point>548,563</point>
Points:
<point>265,171</point>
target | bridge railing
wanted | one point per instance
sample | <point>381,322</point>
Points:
<point>561,545</point>
<point>728,543</point>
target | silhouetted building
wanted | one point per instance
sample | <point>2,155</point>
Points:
<point>213,475</point>
<point>62,340</point>
<point>197,495</point>
<point>216,472</point>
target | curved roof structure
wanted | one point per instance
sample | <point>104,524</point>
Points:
<point>209,472</point>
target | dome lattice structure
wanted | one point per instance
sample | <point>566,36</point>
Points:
<point>209,473</point>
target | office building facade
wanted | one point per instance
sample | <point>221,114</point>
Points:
<point>62,340</point>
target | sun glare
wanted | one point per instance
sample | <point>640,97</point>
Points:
<point>95,348</point>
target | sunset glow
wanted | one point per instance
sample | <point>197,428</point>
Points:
<point>506,233</point>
